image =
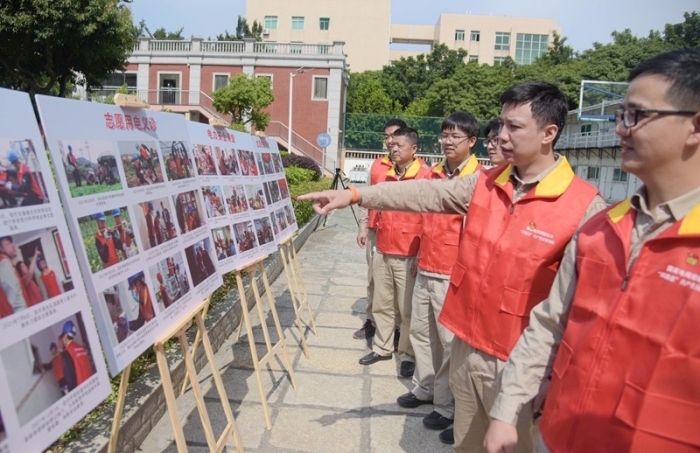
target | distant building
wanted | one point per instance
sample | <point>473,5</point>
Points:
<point>366,28</point>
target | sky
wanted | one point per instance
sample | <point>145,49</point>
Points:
<point>582,22</point>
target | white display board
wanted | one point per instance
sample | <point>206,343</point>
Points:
<point>129,183</point>
<point>51,368</point>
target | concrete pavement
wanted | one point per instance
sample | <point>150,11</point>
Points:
<point>338,405</point>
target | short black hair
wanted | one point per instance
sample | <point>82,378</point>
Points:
<point>9,238</point>
<point>682,70</point>
<point>395,122</point>
<point>463,121</point>
<point>547,103</point>
<point>493,125</point>
<point>410,134</point>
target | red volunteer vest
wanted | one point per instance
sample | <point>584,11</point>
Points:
<point>57,365</point>
<point>440,235</point>
<point>35,184</point>
<point>509,254</point>
<point>51,284</point>
<point>627,374</point>
<point>398,233</point>
<point>81,361</point>
<point>5,307</point>
<point>377,174</point>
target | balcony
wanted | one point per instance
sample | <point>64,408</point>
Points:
<point>151,47</point>
<point>602,138</point>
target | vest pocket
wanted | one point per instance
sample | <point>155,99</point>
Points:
<point>452,239</point>
<point>457,274</point>
<point>660,415</point>
<point>411,228</point>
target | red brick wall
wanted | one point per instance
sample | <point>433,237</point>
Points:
<point>154,69</point>
<point>207,83</point>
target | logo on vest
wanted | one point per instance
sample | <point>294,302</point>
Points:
<point>692,259</point>
<point>533,232</point>
<point>682,277</point>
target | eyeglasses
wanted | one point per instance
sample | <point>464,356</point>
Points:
<point>455,139</point>
<point>630,116</point>
<point>494,141</point>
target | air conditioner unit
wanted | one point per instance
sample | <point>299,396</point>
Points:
<point>266,32</point>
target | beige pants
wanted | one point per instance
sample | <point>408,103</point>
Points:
<point>473,379</point>
<point>431,342</point>
<point>370,243</point>
<point>393,291</point>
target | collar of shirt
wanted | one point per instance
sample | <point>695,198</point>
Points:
<point>677,208</point>
<point>522,186</point>
<point>456,171</point>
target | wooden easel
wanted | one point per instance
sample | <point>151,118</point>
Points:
<point>179,332</point>
<point>295,283</point>
<point>277,350</point>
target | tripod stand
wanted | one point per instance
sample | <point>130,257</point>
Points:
<point>338,181</point>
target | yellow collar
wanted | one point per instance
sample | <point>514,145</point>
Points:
<point>411,171</point>
<point>553,185</point>
<point>690,224</point>
<point>468,167</point>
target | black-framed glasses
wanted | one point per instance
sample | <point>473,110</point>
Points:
<point>494,141</point>
<point>630,116</point>
<point>455,139</point>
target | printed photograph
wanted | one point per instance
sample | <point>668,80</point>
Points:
<point>21,178</point>
<point>108,238</point>
<point>268,165</point>
<point>255,195</point>
<point>228,163</point>
<point>274,191</point>
<point>129,305</point>
<point>3,435</point>
<point>268,196</point>
<point>213,201</point>
<point>48,365</point>
<point>277,160</point>
<point>274,223</point>
<point>170,278</point>
<point>33,269</point>
<point>204,160</point>
<point>235,199</point>
<point>155,222</point>
<point>247,161</point>
<point>290,215</point>
<point>259,163</point>
<point>223,242</point>
<point>178,163</point>
<point>263,230</point>
<point>281,219</point>
<point>141,163</point>
<point>284,189</point>
<point>90,166</point>
<point>200,261</point>
<point>244,234</point>
<point>189,211</point>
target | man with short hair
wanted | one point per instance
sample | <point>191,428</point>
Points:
<point>13,295</point>
<point>398,240</point>
<point>617,335</point>
<point>27,186</point>
<point>430,340</point>
<point>491,142</point>
<point>77,365</point>
<point>367,237</point>
<point>508,252</point>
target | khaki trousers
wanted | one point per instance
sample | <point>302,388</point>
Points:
<point>474,382</point>
<point>393,291</point>
<point>431,342</point>
<point>370,243</point>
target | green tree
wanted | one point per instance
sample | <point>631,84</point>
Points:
<point>45,46</point>
<point>684,35</point>
<point>244,98</point>
<point>243,30</point>
<point>367,95</point>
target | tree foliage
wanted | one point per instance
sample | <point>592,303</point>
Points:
<point>245,98</point>
<point>243,30</point>
<point>46,45</point>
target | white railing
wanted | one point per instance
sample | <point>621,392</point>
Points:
<point>602,138</point>
<point>323,159</point>
<point>169,45</point>
<point>223,46</point>
<point>292,48</point>
<point>198,46</point>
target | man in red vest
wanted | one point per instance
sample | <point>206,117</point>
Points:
<point>367,238</point>
<point>491,142</point>
<point>13,294</point>
<point>77,364</point>
<point>508,252</point>
<point>398,240</point>
<point>430,340</point>
<point>618,332</point>
<point>27,183</point>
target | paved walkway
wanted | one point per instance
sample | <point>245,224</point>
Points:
<point>339,405</point>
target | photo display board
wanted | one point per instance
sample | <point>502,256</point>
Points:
<point>51,367</point>
<point>241,190</point>
<point>132,195</point>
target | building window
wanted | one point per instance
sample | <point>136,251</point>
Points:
<point>593,173</point>
<point>271,22</point>
<point>220,80</point>
<point>619,175</point>
<point>114,81</point>
<point>502,41</point>
<point>265,76</point>
<point>498,61</point>
<point>475,36</point>
<point>324,23</point>
<point>295,47</point>
<point>586,129</point>
<point>529,48</point>
<point>474,58</point>
<point>459,35</point>
<point>321,88</point>
<point>297,22</point>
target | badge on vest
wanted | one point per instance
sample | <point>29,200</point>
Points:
<point>692,259</point>
<point>535,233</point>
<point>682,277</point>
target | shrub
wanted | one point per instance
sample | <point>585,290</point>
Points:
<point>296,175</point>
<point>308,163</point>
<point>302,209</point>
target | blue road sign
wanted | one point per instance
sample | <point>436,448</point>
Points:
<point>323,140</point>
